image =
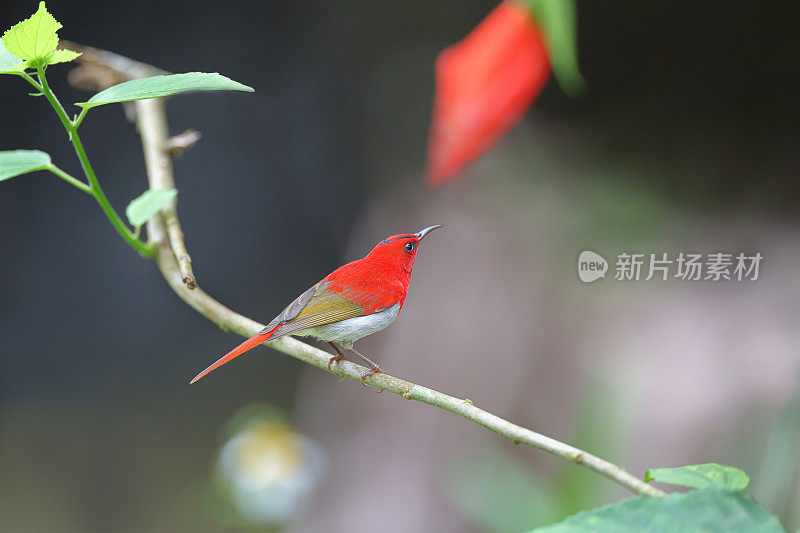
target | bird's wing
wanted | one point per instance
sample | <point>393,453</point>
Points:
<point>301,310</point>
<point>315,307</point>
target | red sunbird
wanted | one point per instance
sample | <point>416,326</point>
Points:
<point>353,301</point>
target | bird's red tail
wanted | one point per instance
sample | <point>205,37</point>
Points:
<point>250,343</point>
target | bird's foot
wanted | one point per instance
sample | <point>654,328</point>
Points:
<point>374,370</point>
<point>333,360</point>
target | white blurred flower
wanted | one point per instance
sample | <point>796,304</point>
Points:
<point>270,470</point>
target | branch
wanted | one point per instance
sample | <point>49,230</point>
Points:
<point>151,121</point>
<point>165,232</point>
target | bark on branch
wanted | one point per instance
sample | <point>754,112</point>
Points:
<point>175,265</point>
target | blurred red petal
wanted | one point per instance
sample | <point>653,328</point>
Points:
<point>484,85</point>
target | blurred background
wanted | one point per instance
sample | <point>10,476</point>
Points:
<point>686,140</point>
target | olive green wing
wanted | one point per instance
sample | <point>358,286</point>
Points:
<point>315,307</point>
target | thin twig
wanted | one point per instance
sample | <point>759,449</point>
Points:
<point>151,121</point>
<point>166,234</point>
<point>101,69</point>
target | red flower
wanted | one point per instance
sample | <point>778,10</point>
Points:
<point>484,85</point>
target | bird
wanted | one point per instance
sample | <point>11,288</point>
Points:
<point>355,300</point>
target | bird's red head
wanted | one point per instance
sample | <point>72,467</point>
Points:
<point>400,249</point>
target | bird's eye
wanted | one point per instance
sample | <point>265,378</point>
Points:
<point>409,246</point>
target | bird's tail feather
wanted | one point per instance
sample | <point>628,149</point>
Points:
<point>250,343</point>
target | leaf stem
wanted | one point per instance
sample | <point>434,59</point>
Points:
<point>69,179</point>
<point>97,191</point>
<point>77,122</point>
<point>30,80</point>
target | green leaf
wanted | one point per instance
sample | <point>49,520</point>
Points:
<point>62,56</point>
<point>705,510</point>
<point>157,86</point>
<point>558,21</point>
<point>701,476</point>
<point>9,62</point>
<point>148,205</point>
<point>18,162</point>
<point>34,38</point>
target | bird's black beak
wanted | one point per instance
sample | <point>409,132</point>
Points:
<point>421,233</point>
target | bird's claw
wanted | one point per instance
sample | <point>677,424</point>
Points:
<point>333,360</point>
<point>373,370</point>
